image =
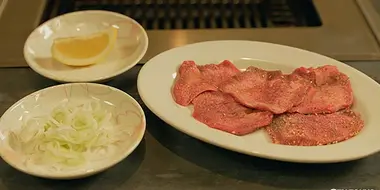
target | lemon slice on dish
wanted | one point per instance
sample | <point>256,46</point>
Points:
<point>84,50</point>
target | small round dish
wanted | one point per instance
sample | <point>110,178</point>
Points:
<point>127,113</point>
<point>131,45</point>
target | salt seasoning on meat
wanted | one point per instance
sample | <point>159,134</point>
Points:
<point>266,90</point>
<point>220,111</point>
<point>229,100</point>
<point>315,129</point>
<point>192,80</point>
<point>218,73</point>
<point>189,84</point>
<point>331,90</point>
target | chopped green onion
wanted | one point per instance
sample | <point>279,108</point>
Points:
<point>68,136</point>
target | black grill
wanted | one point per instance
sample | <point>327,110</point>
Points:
<point>199,14</point>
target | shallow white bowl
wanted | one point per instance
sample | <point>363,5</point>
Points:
<point>157,76</point>
<point>41,102</point>
<point>130,47</point>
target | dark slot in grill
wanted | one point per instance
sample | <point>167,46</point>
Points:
<point>199,14</point>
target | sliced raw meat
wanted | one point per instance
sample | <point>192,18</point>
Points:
<point>266,90</point>
<point>189,84</point>
<point>221,111</point>
<point>218,73</point>
<point>317,129</point>
<point>331,90</point>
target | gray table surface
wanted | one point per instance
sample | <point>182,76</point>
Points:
<point>167,159</point>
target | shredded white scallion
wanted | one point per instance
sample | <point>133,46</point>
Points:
<point>69,136</point>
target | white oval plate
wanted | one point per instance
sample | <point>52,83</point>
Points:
<point>131,45</point>
<point>157,77</point>
<point>42,101</point>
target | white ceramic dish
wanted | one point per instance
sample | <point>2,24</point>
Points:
<point>130,47</point>
<point>41,102</point>
<point>157,77</point>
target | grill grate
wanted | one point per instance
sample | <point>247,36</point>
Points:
<point>200,14</point>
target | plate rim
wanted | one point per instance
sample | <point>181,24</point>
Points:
<point>231,148</point>
<point>78,175</point>
<point>32,64</point>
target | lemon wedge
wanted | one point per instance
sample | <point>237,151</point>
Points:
<point>84,50</point>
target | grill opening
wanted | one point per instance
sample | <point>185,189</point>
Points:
<point>199,14</point>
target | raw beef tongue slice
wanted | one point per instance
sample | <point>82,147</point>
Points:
<point>266,90</point>
<point>316,129</point>
<point>189,84</point>
<point>217,73</point>
<point>331,90</point>
<point>220,111</point>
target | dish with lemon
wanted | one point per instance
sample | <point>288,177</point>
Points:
<point>84,50</point>
<point>86,46</point>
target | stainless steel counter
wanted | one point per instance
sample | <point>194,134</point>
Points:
<point>344,34</point>
<point>169,160</point>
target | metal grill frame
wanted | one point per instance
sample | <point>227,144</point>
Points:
<point>200,14</point>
